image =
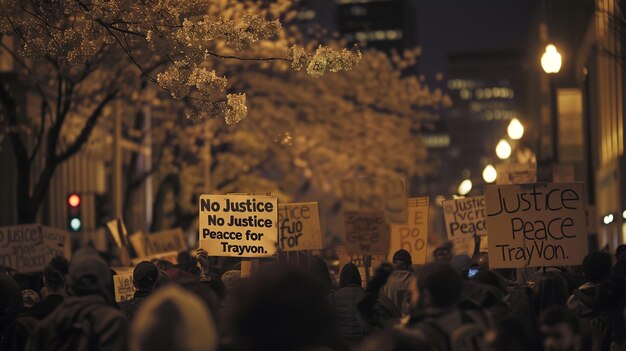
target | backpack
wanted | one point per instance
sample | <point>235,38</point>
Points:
<point>468,337</point>
<point>79,336</point>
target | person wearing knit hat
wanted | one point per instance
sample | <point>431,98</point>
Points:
<point>88,320</point>
<point>173,319</point>
<point>145,277</point>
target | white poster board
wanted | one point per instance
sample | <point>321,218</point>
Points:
<point>238,225</point>
<point>123,286</point>
<point>534,225</point>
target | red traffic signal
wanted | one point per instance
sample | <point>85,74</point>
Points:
<point>73,200</point>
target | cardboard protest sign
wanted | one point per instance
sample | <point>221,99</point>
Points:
<point>123,286</point>
<point>412,236</point>
<point>465,217</point>
<point>536,225</point>
<point>516,173</point>
<point>238,225</point>
<point>367,232</point>
<point>299,227</point>
<point>386,195</point>
<point>28,248</point>
<point>154,243</point>
<point>118,231</point>
<point>170,256</point>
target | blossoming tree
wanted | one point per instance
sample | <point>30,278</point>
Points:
<point>75,57</point>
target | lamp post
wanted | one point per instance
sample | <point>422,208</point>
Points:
<point>551,64</point>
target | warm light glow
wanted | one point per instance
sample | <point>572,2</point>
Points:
<point>73,200</point>
<point>608,219</point>
<point>515,129</point>
<point>624,214</point>
<point>490,174</point>
<point>503,149</point>
<point>465,187</point>
<point>551,60</point>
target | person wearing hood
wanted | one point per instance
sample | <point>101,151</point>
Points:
<point>54,281</point>
<point>398,284</point>
<point>344,302</point>
<point>173,319</point>
<point>89,319</point>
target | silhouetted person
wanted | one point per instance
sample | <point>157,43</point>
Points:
<point>173,319</point>
<point>620,252</point>
<point>87,320</point>
<point>550,290</point>
<point>437,318</point>
<point>396,289</point>
<point>596,267</point>
<point>55,289</point>
<point>15,326</point>
<point>145,277</point>
<point>560,329</point>
<point>345,301</point>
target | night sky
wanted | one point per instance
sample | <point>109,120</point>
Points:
<point>449,26</point>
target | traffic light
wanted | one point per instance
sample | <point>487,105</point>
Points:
<point>74,220</point>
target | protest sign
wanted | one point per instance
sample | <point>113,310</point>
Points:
<point>516,173</point>
<point>123,286</point>
<point>367,232</point>
<point>238,225</point>
<point>360,262</point>
<point>386,195</point>
<point>118,231</point>
<point>412,236</point>
<point>154,243</point>
<point>28,248</point>
<point>536,225</point>
<point>299,227</point>
<point>465,217</point>
<point>170,256</point>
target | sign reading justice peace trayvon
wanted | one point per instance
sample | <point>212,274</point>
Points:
<point>534,225</point>
<point>238,225</point>
<point>299,227</point>
<point>28,248</point>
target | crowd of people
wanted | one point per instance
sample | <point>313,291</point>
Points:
<point>452,304</point>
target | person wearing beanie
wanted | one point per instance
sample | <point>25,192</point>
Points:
<point>173,319</point>
<point>89,319</point>
<point>145,277</point>
<point>397,287</point>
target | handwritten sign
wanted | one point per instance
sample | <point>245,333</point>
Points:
<point>367,232</point>
<point>238,225</point>
<point>535,225</point>
<point>299,227</point>
<point>359,262</point>
<point>413,236</point>
<point>154,243</point>
<point>386,195</point>
<point>516,173</point>
<point>28,248</point>
<point>124,287</point>
<point>118,231</point>
<point>465,217</point>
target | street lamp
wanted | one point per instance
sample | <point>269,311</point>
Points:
<point>503,149</point>
<point>551,64</point>
<point>490,174</point>
<point>515,130</point>
<point>465,187</point>
<point>551,60</point>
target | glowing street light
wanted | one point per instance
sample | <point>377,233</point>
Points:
<point>503,149</point>
<point>551,60</point>
<point>515,130</point>
<point>465,187</point>
<point>490,174</point>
